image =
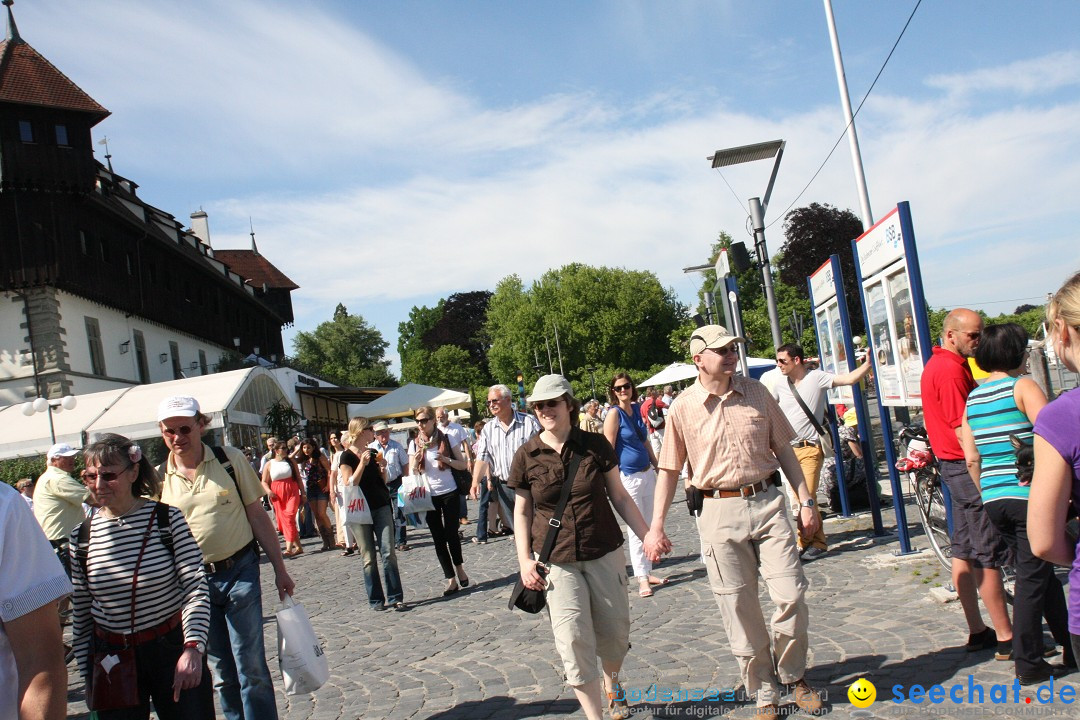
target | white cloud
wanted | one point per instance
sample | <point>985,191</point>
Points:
<point>1034,76</point>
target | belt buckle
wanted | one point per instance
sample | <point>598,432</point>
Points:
<point>748,490</point>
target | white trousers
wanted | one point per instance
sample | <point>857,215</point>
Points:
<point>642,488</point>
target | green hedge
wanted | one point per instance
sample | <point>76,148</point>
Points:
<point>11,471</point>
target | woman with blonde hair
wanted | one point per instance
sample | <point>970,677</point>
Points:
<point>430,454</point>
<point>365,468</point>
<point>1056,482</point>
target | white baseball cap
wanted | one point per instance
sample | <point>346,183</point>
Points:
<point>177,406</point>
<point>61,450</point>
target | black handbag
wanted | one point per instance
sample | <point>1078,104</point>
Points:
<point>527,599</point>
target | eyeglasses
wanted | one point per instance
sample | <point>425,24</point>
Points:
<point>182,430</point>
<point>105,477</point>
<point>724,351</point>
<point>625,387</point>
<point>495,401</point>
<point>547,404</point>
<point>423,420</point>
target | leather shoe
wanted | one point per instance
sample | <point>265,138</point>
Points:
<point>767,712</point>
<point>1044,673</point>
<point>806,697</point>
<point>981,640</point>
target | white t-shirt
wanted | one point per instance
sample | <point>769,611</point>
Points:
<point>30,576</point>
<point>455,434</point>
<point>812,389</point>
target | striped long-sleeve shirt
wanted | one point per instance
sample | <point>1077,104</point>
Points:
<point>167,582</point>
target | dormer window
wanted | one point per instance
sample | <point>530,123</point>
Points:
<point>62,136</point>
<point>26,131</point>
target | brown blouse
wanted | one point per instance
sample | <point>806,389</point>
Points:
<point>589,528</point>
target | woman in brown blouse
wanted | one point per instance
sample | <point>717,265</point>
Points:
<point>586,573</point>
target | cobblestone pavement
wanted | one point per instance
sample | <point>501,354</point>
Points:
<point>467,656</point>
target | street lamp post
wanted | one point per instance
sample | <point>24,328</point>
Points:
<point>758,206</point>
<point>40,404</point>
<point>592,376</point>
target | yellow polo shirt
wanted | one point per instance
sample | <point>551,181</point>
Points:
<point>211,506</point>
<point>58,500</point>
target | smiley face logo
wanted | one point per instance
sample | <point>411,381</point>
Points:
<point>862,693</point>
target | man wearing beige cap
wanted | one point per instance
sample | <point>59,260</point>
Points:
<point>221,499</point>
<point>736,438</point>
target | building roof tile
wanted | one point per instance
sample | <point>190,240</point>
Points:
<point>255,268</point>
<point>27,78</point>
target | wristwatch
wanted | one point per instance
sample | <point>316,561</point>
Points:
<point>198,645</point>
<point>809,503</point>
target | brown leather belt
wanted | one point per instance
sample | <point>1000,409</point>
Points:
<point>142,636</point>
<point>805,443</point>
<point>745,490</point>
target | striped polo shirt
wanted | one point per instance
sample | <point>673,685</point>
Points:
<point>993,417</point>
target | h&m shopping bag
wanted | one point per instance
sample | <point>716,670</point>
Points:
<point>357,510</point>
<point>302,659</point>
<point>415,495</point>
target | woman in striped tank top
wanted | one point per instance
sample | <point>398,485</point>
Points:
<point>1002,408</point>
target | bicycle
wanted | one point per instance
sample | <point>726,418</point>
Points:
<point>921,467</point>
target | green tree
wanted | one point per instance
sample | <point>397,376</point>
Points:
<point>346,350</point>
<point>603,317</point>
<point>411,346</point>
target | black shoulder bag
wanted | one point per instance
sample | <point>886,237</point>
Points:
<point>533,601</point>
<point>824,435</point>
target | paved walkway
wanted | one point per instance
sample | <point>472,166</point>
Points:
<point>467,656</point>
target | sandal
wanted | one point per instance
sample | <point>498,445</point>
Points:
<point>617,707</point>
<point>645,591</point>
<point>657,581</point>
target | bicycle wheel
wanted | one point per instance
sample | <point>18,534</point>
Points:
<point>932,514</point>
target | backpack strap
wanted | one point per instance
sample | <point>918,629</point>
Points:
<point>164,531</point>
<point>226,463</point>
<point>83,547</point>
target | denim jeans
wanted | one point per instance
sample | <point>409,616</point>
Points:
<point>236,652</point>
<point>399,516</point>
<point>380,535</point>
<point>501,495</point>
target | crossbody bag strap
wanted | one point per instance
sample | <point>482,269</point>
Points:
<point>556,517</point>
<point>135,573</point>
<point>810,415</point>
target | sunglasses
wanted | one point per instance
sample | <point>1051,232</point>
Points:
<point>723,351</point>
<point>972,335</point>
<point>106,477</point>
<point>547,404</point>
<point>626,387</point>
<point>423,420</point>
<point>182,430</point>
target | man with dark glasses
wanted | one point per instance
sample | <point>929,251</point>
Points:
<point>222,503</point>
<point>736,438</point>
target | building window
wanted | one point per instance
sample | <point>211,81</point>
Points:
<point>26,131</point>
<point>174,352</point>
<point>140,357</point>
<point>202,361</point>
<point>105,255</point>
<point>130,265</point>
<point>61,135</point>
<point>82,243</point>
<point>97,353</point>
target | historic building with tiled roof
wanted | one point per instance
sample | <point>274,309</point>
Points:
<point>99,289</point>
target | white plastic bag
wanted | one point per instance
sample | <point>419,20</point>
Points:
<point>415,495</point>
<point>357,510</point>
<point>303,662</point>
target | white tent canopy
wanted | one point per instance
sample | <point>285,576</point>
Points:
<point>678,371</point>
<point>236,397</point>
<point>402,402</point>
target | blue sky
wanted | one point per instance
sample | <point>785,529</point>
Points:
<point>392,153</point>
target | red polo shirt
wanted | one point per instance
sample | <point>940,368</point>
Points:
<point>946,384</point>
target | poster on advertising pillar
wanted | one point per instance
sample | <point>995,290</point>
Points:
<point>827,322</point>
<point>897,327</point>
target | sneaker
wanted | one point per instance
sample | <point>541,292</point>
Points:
<point>806,697</point>
<point>984,640</point>
<point>813,553</point>
<point>478,541</point>
<point>1004,650</point>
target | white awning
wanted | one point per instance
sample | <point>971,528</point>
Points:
<point>678,371</point>
<point>405,399</point>
<point>239,396</point>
